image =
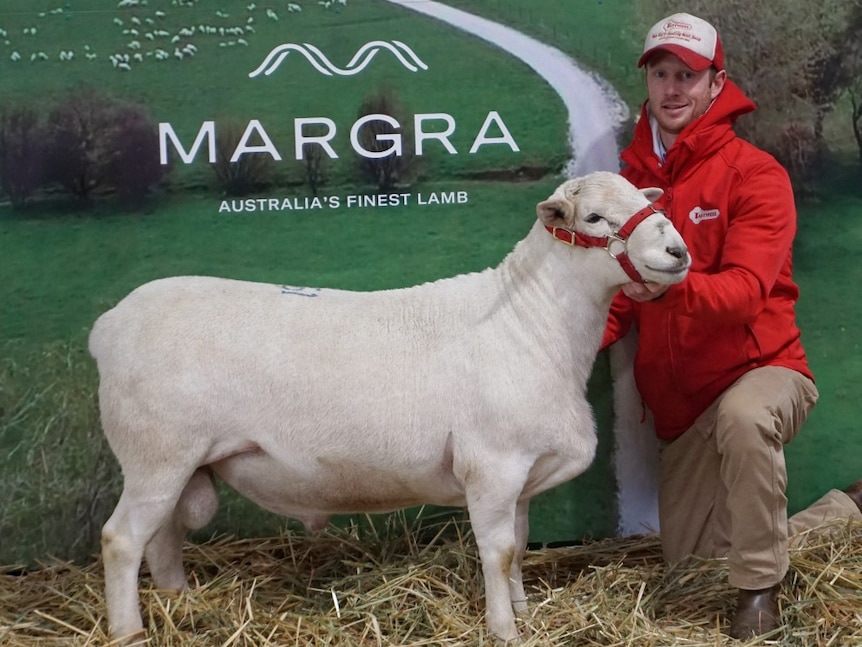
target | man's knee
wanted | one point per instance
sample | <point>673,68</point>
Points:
<point>742,428</point>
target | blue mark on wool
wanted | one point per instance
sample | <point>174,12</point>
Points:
<point>300,291</point>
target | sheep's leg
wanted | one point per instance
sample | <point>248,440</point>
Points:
<point>516,576</point>
<point>195,509</point>
<point>124,536</point>
<point>492,515</point>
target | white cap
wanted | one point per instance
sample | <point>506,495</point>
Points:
<point>693,40</point>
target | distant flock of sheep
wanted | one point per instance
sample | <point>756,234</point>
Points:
<point>144,31</point>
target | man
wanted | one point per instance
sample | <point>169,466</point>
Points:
<point>720,363</point>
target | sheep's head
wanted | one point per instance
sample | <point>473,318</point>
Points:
<point>605,210</point>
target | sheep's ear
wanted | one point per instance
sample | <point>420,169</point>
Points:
<point>555,212</point>
<point>652,193</point>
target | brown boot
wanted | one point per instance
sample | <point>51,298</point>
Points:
<point>855,493</point>
<point>756,613</point>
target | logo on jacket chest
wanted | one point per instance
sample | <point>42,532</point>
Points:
<point>698,215</point>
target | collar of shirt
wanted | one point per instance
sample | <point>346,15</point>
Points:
<point>657,144</point>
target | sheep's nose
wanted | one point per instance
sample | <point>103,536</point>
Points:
<point>677,251</point>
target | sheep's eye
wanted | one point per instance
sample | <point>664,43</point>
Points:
<point>593,218</point>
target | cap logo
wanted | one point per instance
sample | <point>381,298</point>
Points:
<point>680,30</point>
<point>672,24</point>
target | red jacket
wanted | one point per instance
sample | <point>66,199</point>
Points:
<point>733,205</point>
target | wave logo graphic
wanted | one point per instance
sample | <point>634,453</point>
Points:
<point>406,56</point>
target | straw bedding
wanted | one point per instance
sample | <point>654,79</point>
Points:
<point>397,584</point>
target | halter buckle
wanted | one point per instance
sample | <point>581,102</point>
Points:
<point>568,239</point>
<point>615,238</point>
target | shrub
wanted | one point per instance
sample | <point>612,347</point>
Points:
<point>376,136</point>
<point>77,154</point>
<point>21,153</point>
<point>250,173</point>
<point>96,142</point>
<point>800,154</point>
<point>315,165</point>
<point>134,168</point>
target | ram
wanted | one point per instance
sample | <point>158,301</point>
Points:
<point>467,391</point>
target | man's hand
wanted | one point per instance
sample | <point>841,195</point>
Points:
<point>641,292</point>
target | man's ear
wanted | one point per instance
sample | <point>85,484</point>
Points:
<point>556,212</point>
<point>718,83</point>
<point>652,193</point>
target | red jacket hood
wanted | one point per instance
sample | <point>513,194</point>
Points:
<point>700,139</point>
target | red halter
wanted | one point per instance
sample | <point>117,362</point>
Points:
<point>621,237</point>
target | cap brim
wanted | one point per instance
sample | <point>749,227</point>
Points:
<point>694,61</point>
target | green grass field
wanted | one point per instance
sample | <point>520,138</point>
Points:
<point>602,35</point>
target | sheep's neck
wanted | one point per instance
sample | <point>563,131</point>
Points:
<point>559,297</point>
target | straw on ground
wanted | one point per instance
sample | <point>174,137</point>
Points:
<point>403,585</point>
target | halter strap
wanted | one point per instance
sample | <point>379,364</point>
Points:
<point>621,237</point>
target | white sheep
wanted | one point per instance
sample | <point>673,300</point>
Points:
<point>467,391</point>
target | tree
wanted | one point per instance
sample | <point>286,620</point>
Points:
<point>21,153</point>
<point>852,47</point>
<point>134,141</point>
<point>250,173</point>
<point>96,142</point>
<point>78,155</point>
<point>389,166</point>
<point>856,117</point>
<point>315,164</point>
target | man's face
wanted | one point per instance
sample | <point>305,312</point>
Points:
<point>677,95</point>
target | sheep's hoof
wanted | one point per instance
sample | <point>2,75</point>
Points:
<point>513,638</point>
<point>135,639</point>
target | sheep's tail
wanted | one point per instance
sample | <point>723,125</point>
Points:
<point>97,341</point>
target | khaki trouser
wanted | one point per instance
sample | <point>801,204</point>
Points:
<point>723,481</point>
